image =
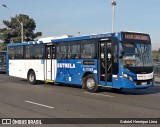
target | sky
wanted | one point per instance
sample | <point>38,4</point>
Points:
<point>68,17</point>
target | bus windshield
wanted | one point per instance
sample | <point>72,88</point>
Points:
<point>137,55</point>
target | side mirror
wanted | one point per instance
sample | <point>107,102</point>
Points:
<point>121,51</point>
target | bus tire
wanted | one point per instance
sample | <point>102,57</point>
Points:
<point>91,84</point>
<point>31,77</point>
<point>83,83</point>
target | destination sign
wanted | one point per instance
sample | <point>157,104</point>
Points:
<point>136,36</point>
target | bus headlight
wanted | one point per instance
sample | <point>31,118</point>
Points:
<point>127,76</point>
<point>130,78</point>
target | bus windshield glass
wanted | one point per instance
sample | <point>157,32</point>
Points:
<point>137,55</point>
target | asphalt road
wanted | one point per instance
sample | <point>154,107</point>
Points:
<point>18,99</point>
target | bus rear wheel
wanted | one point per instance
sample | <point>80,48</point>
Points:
<point>31,77</point>
<point>91,84</point>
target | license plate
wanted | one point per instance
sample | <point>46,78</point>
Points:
<point>144,83</point>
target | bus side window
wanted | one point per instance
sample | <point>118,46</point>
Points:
<point>13,56</point>
<point>11,53</point>
<point>60,56</point>
<point>75,51</point>
<point>53,52</point>
<point>40,55</point>
<point>27,52</point>
<point>48,53</point>
<point>83,53</point>
<point>27,56</point>
<point>88,50</point>
<point>69,56</point>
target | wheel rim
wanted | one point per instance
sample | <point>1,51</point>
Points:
<point>31,77</point>
<point>90,83</point>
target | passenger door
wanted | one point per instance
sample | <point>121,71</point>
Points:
<point>108,60</point>
<point>50,63</point>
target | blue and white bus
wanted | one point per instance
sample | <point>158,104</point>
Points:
<point>115,60</point>
<point>2,61</point>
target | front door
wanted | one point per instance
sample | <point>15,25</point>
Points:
<point>105,61</point>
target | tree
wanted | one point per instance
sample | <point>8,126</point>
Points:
<point>3,46</point>
<point>12,32</point>
<point>156,55</point>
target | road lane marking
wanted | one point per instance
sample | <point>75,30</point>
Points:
<point>39,104</point>
<point>99,94</point>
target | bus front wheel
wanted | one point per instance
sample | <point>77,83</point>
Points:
<point>31,77</point>
<point>91,84</point>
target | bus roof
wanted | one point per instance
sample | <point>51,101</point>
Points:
<point>85,37</point>
<point>49,39</point>
<point>63,38</point>
<point>71,38</point>
<point>92,36</point>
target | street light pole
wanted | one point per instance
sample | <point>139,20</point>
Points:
<point>21,31</point>
<point>113,14</point>
<point>21,24</point>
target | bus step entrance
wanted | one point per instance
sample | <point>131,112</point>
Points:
<point>49,81</point>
